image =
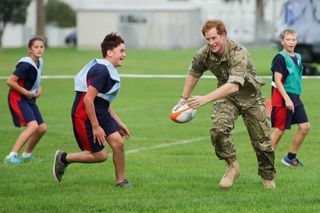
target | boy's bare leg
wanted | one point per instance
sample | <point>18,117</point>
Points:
<point>276,136</point>
<point>117,145</point>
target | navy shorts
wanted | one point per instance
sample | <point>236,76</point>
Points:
<point>23,111</point>
<point>83,132</point>
<point>282,118</point>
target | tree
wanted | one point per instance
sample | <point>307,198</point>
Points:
<point>60,13</point>
<point>12,11</point>
<point>41,19</point>
<point>260,23</point>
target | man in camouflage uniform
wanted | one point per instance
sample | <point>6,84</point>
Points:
<point>238,93</point>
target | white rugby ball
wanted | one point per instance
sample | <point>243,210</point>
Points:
<point>182,113</point>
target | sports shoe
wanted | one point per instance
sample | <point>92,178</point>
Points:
<point>291,163</point>
<point>232,173</point>
<point>14,159</point>
<point>26,159</point>
<point>58,166</point>
<point>124,184</point>
<point>269,184</point>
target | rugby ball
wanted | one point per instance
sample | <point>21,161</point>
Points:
<point>182,113</point>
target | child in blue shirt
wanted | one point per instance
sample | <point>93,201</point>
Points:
<point>94,121</point>
<point>25,88</point>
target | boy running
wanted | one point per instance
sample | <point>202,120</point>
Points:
<point>94,122</point>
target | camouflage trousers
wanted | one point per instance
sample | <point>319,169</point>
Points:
<point>225,113</point>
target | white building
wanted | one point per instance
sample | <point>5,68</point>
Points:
<point>150,24</point>
<point>146,27</point>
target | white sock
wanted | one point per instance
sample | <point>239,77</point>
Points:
<point>26,154</point>
<point>12,154</point>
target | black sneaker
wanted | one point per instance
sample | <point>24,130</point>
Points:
<point>124,184</point>
<point>58,166</point>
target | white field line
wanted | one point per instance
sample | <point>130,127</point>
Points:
<point>166,145</point>
<point>182,142</point>
<point>148,76</point>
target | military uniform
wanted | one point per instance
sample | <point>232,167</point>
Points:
<point>235,66</point>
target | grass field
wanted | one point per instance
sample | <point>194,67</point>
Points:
<point>61,61</point>
<point>172,167</point>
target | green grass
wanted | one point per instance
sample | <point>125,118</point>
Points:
<point>176,178</point>
<point>62,61</point>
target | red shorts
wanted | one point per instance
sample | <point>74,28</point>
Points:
<point>83,132</point>
<point>22,110</point>
<point>282,118</point>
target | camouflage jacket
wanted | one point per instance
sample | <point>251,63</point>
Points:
<point>234,66</point>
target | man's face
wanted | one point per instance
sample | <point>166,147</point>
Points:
<point>215,41</point>
<point>117,55</point>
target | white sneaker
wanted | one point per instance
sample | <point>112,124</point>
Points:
<point>13,159</point>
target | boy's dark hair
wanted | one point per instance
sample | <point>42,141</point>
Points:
<point>214,23</point>
<point>111,41</point>
<point>36,38</point>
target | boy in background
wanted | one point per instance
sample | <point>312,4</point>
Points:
<point>25,88</point>
<point>287,107</point>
